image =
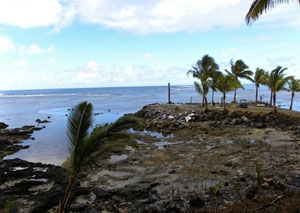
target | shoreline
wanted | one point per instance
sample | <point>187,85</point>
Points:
<point>182,146</point>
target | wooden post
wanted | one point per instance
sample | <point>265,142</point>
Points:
<point>169,93</point>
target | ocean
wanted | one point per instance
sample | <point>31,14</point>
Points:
<point>23,107</point>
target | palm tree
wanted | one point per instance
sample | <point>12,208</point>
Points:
<point>259,78</point>
<point>203,91</point>
<point>276,81</point>
<point>214,76</point>
<point>225,84</point>
<point>239,70</point>
<point>260,6</point>
<point>294,86</point>
<point>268,82</point>
<point>202,71</point>
<point>83,146</point>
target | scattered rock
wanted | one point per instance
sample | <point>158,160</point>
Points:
<point>245,119</point>
<point>42,121</point>
<point>3,125</point>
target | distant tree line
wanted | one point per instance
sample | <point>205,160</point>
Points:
<point>207,71</point>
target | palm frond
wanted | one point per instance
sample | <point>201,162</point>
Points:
<point>260,6</point>
<point>79,123</point>
<point>198,88</point>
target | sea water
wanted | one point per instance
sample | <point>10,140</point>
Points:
<point>23,107</point>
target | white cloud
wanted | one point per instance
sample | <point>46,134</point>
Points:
<point>6,44</point>
<point>161,16</point>
<point>147,56</point>
<point>21,63</point>
<point>89,72</point>
<point>30,13</point>
<point>35,49</point>
<point>142,17</point>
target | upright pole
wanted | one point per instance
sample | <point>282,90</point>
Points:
<point>169,93</point>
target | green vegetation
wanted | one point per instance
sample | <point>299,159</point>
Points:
<point>239,70</point>
<point>294,86</point>
<point>276,81</point>
<point>258,7</point>
<point>84,148</point>
<point>259,78</point>
<point>225,84</point>
<point>206,70</point>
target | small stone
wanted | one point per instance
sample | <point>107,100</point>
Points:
<point>245,119</point>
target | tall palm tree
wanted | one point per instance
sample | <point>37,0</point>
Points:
<point>202,71</point>
<point>83,146</point>
<point>239,70</point>
<point>225,84</point>
<point>259,78</point>
<point>214,76</point>
<point>203,90</point>
<point>276,81</point>
<point>268,83</point>
<point>294,86</point>
<point>260,6</point>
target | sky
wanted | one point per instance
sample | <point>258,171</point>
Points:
<point>104,43</point>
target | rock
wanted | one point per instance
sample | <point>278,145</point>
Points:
<point>245,119</point>
<point>260,125</point>
<point>171,117</point>
<point>38,187</point>
<point>42,121</point>
<point>228,163</point>
<point>189,117</point>
<point>234,122</point>
<point>3,125</point>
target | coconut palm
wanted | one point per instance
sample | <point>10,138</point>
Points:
<point>225,84</point>
<point>276,81</point>
<point>268,83</point>
<point>294,86</point>
<point>259,78</point>
<point>260,6</point>
<point>202,71</point>
<point>203,90</point>
<point>214,76</point>
<point>239,70</point>
<point>83,146</point>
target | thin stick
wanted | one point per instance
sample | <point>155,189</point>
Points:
<point>270,204</point>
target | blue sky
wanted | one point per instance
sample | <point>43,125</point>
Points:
<point>100,43</point>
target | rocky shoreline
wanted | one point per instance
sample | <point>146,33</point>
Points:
<point>185,160</point>
<point>10,139</point>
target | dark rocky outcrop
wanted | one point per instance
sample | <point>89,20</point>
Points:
<point>11,138</point>
<point>169,118</point>
<point>36,187</point>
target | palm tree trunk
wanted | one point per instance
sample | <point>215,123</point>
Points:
<point>274,103</point>
<point>292,100</point>
<point>271,98</point>
<point>256,94</point>
<point>62,208</point>
<point>212,97</point>
<point>203,99</point>
<point>234,97</point>
<point>224,102</point>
